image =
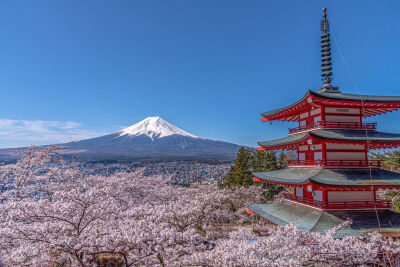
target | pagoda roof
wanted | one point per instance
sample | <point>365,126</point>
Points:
<point>339,136</point>
<point>356,97</point>
<point>331,177</point>
<point>309,219</point>
<point>374,104</point>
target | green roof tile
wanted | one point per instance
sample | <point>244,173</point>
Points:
<point>309,219</point>
<point>343,135</point>
<point>333,177</point>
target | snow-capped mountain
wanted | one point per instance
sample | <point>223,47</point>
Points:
<point>154,127</point>
<point>152,137</point>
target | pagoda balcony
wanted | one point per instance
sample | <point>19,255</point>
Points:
<point>341,205</point>
<point>335,163</point>
<point>334,125</point>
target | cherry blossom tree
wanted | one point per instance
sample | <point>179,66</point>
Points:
<point>52,215</point>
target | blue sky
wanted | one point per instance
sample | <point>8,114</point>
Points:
<point>76,69</point>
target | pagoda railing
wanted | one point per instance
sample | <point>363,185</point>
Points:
<point>335,125</point>
<point>342,205</point>
<point>336,163</point>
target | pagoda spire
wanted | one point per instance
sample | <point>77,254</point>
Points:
<point>326,62</point>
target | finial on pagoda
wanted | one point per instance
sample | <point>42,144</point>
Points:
<point>326,62</point>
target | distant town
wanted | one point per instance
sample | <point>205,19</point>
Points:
<point>180,172</point>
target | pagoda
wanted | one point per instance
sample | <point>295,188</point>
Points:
<point>331,177</point>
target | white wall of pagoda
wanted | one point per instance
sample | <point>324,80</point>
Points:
<point>299,191</point>
<point>310,117</point>
<point>345,155</point>
<point>333,118</point>
<point>329,151</point>
<point>331,146</point>
<point>330,114</point>
<point>345,152</point>
<point>340,196</point>
<point>336,114</point>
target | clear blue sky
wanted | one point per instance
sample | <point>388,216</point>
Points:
<point>74,69</point>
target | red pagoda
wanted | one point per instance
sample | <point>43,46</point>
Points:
<point>332,177</point>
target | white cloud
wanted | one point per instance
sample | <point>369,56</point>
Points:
<point>39,132</point>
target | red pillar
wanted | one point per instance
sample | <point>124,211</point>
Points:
<point>324,153</point>
<point>325,195</point>
<point>298,155</point>
<point>323,114</point>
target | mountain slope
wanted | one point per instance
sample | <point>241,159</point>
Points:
<point>153,137</point>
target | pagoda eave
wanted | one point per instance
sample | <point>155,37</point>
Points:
<point>372,139</point>
<point>335,179</point>
<point>366,187</point>
<point>370,105</point>
<point>372,145</point>
<point>317,220</point>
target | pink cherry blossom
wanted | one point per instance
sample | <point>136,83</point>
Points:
<point>51,214</point>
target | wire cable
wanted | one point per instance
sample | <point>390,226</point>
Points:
<point>363,112</point>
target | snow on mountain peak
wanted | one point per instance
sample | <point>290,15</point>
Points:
<point>154,127</point>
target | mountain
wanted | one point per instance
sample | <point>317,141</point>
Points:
<point>154,127</point>
<point>151,138</point>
